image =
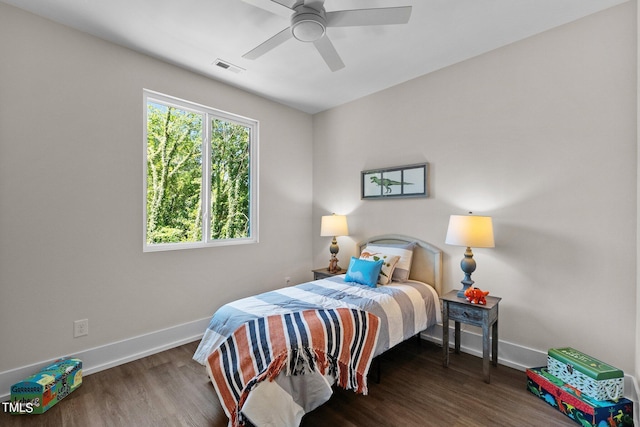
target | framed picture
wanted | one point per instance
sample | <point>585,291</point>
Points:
<point>400,181</point>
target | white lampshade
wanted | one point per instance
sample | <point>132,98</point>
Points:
<point>334,225</point>
<point>470,231</point>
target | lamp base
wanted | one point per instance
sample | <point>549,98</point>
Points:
<point>468,265</point>
<point>333,265</point>
<point>333,262</point>
<point>463,290</point>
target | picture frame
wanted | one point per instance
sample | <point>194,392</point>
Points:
<point>395,182</point>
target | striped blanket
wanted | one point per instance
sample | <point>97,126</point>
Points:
<point>404,309</point>
<point>339,342</point>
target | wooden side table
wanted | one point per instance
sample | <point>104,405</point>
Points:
<point>323,273</point>
<point>485,316</point>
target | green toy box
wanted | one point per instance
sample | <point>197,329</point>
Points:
<point>592,377</point>
<point>39,392</point>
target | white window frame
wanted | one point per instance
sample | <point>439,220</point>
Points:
<point>208,114</point>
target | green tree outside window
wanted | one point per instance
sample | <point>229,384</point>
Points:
<point>178,184</point>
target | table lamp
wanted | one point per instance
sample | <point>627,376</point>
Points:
<point>334,225</point>
<point>470,231</point>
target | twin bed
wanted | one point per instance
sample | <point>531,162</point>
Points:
<point>274,357</point>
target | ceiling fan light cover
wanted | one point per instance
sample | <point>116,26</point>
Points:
<point>308,27</point>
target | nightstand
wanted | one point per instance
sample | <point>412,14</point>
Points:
<point>323,273</point>
<point>485,316</point>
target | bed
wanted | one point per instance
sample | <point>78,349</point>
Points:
<point>318,333</point>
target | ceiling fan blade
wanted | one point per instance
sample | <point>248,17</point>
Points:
<point>363,17</point>
<point>329,53</point>
<point>277,7</point>
<point>272,43</point>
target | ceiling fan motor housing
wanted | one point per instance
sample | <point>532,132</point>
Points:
<point>307,24</point>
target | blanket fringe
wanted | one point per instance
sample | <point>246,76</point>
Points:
<point>298,361</point>
<point>332,342</point>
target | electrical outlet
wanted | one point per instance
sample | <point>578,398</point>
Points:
<point>80,328</point>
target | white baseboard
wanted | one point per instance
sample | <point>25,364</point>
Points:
<point>518,357</point>
<point>511,355</point>
<point>117,353</point>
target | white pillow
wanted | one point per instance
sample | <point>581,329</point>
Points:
<point>404,251</point>
<point>388,264</point>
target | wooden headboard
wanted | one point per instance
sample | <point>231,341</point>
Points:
<point>426,265</point>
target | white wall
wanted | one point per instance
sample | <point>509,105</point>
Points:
<point>541,135</point>
<point>637,361</point>
<point>71,169</point>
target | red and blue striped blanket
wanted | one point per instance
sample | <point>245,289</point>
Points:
<point>339,342</point>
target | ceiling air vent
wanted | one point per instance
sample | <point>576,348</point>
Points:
<point>228,66</point>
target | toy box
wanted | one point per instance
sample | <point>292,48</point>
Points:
<point>575,405</point>
<point>39,392</point>
<point>592,377</point>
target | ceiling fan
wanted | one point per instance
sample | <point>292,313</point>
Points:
<point>310,20</point>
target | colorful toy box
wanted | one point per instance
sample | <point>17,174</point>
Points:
<point>592,377</point>
<point>39,392</point>
<point>575,405</point>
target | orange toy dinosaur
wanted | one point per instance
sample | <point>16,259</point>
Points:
<point>476,296</point>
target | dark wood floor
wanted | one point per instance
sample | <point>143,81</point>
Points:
<point>170,389</point>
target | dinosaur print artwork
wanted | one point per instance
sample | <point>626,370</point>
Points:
<point>386,183</point>
<point>406,181</point>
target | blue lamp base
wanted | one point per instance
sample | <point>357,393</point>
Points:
<point>463,290</point>
<point>468,266</point>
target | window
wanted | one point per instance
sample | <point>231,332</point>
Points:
<point>190,202</point>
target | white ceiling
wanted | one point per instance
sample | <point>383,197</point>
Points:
<point>194,33</point>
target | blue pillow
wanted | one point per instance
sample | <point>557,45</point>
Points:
<point>363,271</point>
